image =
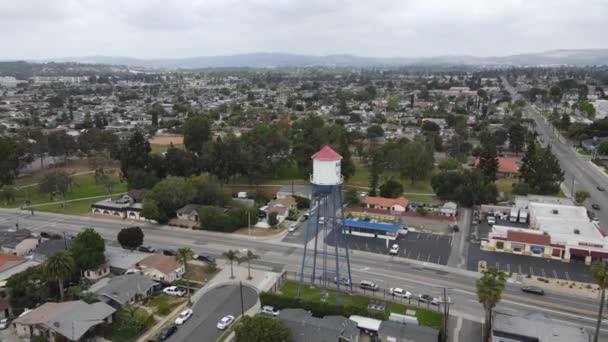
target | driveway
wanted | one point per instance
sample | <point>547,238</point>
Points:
<point>213,305</point>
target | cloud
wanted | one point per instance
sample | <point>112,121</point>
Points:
<point>181,28</point>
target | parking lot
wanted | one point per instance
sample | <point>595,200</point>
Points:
<point>426,247</point>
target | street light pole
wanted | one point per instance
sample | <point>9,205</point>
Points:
<point>242,305</point>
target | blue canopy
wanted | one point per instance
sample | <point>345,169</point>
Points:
<point>387,227</point>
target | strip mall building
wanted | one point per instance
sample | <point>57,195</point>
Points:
<point>556,231</point>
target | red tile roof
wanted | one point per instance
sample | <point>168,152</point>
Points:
<point>386,202</point>
<point>505,165</point>
<point>326,154</point>
<point>536,239</point>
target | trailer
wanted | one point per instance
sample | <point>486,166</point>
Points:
<point>514,215</point>
<point>523,216</point>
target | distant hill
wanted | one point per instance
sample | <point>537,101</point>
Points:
<point>555,57</point>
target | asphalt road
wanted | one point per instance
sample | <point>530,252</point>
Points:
<point>586,177</point>
<point>210,308</point>
<point>386,271</point>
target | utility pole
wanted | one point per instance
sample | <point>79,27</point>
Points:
<point>249,221</point>
<point>572,188</point>
<point>242,305</point>
<point>446,313</point>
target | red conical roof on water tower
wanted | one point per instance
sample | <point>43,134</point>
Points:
<point>326,154</point>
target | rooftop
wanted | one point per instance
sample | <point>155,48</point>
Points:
<point>163,263</point>
<point>536,327</point>
<point>327,154</point>
<point>122,288</point>
<point>327,329</point>
<point>386,202</point>
<point>561,222</point>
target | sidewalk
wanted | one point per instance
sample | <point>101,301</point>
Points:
<point>458,255</point>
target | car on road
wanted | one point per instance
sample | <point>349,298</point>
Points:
<point>204,257</point>
<point>270,310</point>
<point>601,188</point>
<point>183,316</point>
<point>425,298</point>
<point>343,281</point>
<point>4,323</point>
<point>169,252</point>
<point>174,291</point>
<point>368,285</point>
<point>491,220</point>
<point>293,227</point>
<point>394,249</point>
<point>399,292</point>
<point>225,322</point>
<point>146,249</point>
<point>534,290</point>
<point>595,206</point>
<point>167,332</point>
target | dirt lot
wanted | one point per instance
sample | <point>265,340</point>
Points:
<point>427,225</point>
<point>167,139</point>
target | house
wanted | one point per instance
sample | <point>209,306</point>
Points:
<point>535,327</point>
<point>121,260</point>
<point>17,242</point>
<point>124,208</point>
<point>162,268</point>
<point>124,290</point>
<point>97,273</point>
<point>12,264</point>
<point>189,212</point>
<point>390,204</point>
<point>281,206</point>
<point>507,167</point>
<point>304,326</point>
<point>71,321</point>
<point>49,247</point>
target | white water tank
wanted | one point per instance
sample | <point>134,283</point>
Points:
<point>326,167</point>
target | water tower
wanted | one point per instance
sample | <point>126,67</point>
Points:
<point>325,217</point>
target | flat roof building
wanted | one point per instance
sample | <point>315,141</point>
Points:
<point>534,327</point>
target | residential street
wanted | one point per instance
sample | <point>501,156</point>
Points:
<point>417,277</point>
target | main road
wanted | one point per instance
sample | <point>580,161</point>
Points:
<point>579,173</point>
<point>387,271</point>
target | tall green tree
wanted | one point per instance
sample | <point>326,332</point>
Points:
<point>600,274</point>
<point>489,291</point>
<point>60,266</point>
<point>135,153</point>
<point>184,254</point>
<point>488,164</point>
<point>88,250</point>
<point>56,183</point>
<point>232,256</point>
<point>417,162</point>
<point>9,163</point>
<point>375,170</point>
<point>167,196</point>
<point>262,329</point>
<point>197,132</point>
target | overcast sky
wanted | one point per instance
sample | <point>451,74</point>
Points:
<point>170,28</point>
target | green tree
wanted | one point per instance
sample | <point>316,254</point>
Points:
<point>517,137</point>
<point>475,189</point>
<point>184,254</point>
<point>391,189</point>
<point>600,274</point>
<point>581,196</point>
<point>352,197</point>
<point>272,219</point>
<point>28,288</point>
<point>56,183</point>
<point>489,291</point>
<point>564,121</point>
<point>9,163</point>
<point>248,258</point>
<point>449,165</point>
<point>417,162</point>
<point>488,164</point>
<point>58,267</point>
<point>375,170</point>
<point>8,194</point>
<point>262,329</point>
<point>587,108</point>
<point>232,256</point>
<point>88,250</point>
<point>135,153</point>
<point>166,197</point>
<point>375,131</point>
<point>130,237</point>
<point>603,147</point>
<point>197,131</point>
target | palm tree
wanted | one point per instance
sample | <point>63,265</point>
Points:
<point>600,274</point>
<point>58,267</point>
<point>248,259</point>
<point>183,255</point>
<point>489,291</point>
<point>232,256</point>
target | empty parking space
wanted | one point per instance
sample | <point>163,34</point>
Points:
<point>425,247</point>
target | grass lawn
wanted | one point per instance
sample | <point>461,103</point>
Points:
<point>159,149</point>
<point>84,186</point>
<point>163,304</point>
<point>425,317</point>
<point>122,328</point>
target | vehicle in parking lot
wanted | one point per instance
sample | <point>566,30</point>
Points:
<point>399,292</point>
<point>491,220</point>
<point>183,316</point>
<point>169,252</point>
<point>146,249</point>
<point>368,285</point>
<point>225,322</point>
<point>293,227</point>
<point>167,332</point>
<point>595,206</point>
<point>270,310</point>
<point>425,298</point>
<point>4,323</point>
<point>534,290</point>
<point>343,281</point>
<point>174,291</point>
<point>394,249</point>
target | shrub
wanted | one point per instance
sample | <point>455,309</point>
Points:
<point>163,308</point>
<point>302,202</point>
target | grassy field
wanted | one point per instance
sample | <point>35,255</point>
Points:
<point>84,187</point>
<point>425,317</point>
<point>159,149</point>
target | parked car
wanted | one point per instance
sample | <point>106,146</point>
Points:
<point>293,227</point>
<point>169,252</point>
<point>174,291</point>
<point>491,220</point>
<point>534,290</point>
<point>595,206</point>
<point>204,257</point>
<point>225,322</point>
<point>183,316</point>
<point>368,285</point>
<point>270,310</point>
<point>167,332</point>
<point>146,249</point>
<point>4,323</point>
<point>399,292</point>
<point>425,298</point>
<point>394,249</point>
